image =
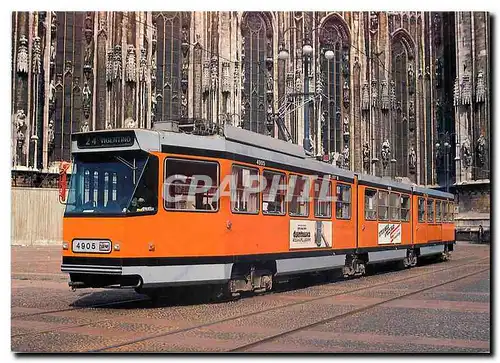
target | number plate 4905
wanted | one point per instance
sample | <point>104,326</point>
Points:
<point>91,246</point>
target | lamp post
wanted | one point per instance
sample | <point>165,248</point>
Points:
<point>444,144</point>
<point>307,50</point>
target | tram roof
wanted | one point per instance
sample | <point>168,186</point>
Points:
<point>237,142</point>
<point>432,192</point>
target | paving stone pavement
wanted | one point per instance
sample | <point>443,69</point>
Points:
<point>348,316</point>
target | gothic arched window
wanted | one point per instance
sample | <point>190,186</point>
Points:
<point>335,75</point>
<point>257,58</point>
<point>403,75</point>
<point>169,62</point>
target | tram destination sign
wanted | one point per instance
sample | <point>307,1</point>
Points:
<point>106,139</point>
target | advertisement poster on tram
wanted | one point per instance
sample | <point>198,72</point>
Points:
<point>389,233</point>
<point>310,234</point>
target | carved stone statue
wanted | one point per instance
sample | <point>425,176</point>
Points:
<point>20,120</point>
<point>374,21</point>
<point>87,99</point>
<point>270,82</point>
<point>374,93</point>
<point>52,93</point>
<point>481,150</point>
<point>130,123</point>
<point>184,104</point>
<point>85,127</point>
<point>269,46</point>
<point>346,125</point>
<point>88,59</point>
<point>345,154</point>
<point>366,155</point>
<point>412,158</point>
<point>386,153</point>
<point>345,63</point>
<point>51,135</point>
<point>411,79</point>
<point>466,152</point>
<point>337,159</point>
<point>411,115</point>
<point>298,81</point>
<point>20,124</point>
<point>52,54</point>
<point>384,98</point>
<point>323,120</point>
<point>346,94</point>
<point>365,97</point>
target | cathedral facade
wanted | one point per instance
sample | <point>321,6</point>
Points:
<point>394,94</point>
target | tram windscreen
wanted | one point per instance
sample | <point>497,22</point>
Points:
<point>113,184</point>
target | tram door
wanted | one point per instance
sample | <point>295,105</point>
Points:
<point>367,217</point>
<point>420,218</point>
<point>433,226</point>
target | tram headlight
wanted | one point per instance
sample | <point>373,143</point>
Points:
<point>65,245</point>
<point>116,247</point>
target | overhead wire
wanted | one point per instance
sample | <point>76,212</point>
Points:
<point>375,56</point>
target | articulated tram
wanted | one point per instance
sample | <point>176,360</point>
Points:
<point>133,220</point>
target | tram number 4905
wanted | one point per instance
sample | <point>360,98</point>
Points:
<point>91,246</point>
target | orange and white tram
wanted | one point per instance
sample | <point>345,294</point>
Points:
<point>120,229</point>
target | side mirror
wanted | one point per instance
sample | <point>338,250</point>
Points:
<point>63,182</point>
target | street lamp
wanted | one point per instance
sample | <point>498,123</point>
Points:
<point>445,139</point>
<point>307,50</point>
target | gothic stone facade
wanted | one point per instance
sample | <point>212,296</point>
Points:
<point>399,84</point>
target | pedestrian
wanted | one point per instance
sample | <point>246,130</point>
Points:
<point>480,234</point>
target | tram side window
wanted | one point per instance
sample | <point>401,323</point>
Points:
<point>383,205</point>
<point>430,210</point>
<point>322,198</point>
<point>343,204</point>
<point>273,197</point>
<point>243,183</point>
<point>370,205</point>
<point>405,208</point>
<point>438,211</point>
<point>395,206</point>
<point>191,185</point>
<point>421,209</point>
<point>299,188</point>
